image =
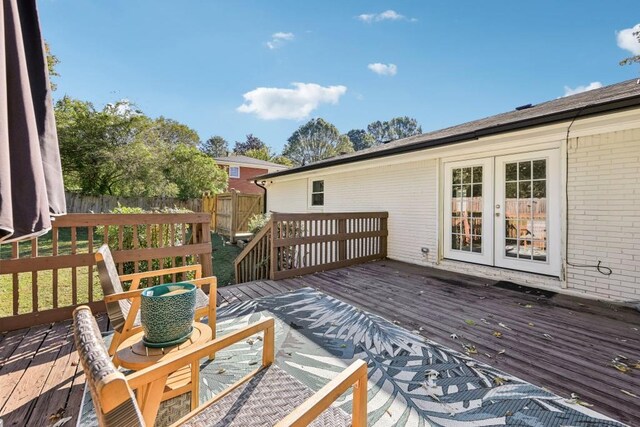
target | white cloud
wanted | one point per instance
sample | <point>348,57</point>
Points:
<point>270,103</point>
<point>627,41</point>
<point>278,39</point>
<point>383,69</point>
<point>387,15</point>
<point>579,89</point>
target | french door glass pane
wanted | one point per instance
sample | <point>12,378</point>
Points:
<point>526,210</point>
<point>466,209</point>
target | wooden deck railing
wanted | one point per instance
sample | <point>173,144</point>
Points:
<point>296,244</point>
<point>43,280</point>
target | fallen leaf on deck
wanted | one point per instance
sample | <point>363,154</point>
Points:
<point>259,338</point>
<point>421,328</point>
<point>531,324</point>
<point>497,334</point>
<point>57,415</point>
<point>253,362</point>
<point>470,349</point>
<point>485,321</point>
<point>470,322</point>
<point>622,367</point>
<point>500,380</point>
<point>528,306</point>
<point>343,346</point>
<point>502,351</point>
<point>250,341</point>
<point>488,355</point>
<point>221,371</point>
<point>504,326</point>
<point>628,393</point>
<point>508,414</point>
<point>547,336</point>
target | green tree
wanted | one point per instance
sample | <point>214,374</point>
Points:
<point>52,61</point>
<point>632,59</point>
<point>282,160</point>
<point>194,172</point>
<point>251,143</point>
<point>361,139</point>
<point>216,146</point>
<point>172,133</point>
<point>96,147</point>
<point>316,140</point>
<point>263,153</point>
<point>120,151</point>
<point>396,128</point>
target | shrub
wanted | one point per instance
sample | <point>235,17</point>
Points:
<point>258,221</point>
<point>159,236</point>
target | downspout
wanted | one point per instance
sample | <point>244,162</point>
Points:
<point>264,190</point>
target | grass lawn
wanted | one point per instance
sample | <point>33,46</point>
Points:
<point>223,257</point>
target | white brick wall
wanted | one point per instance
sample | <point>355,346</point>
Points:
<point>604,213</point>
<point>407,191</point>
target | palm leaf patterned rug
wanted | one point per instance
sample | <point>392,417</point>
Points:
<point>412,381</point>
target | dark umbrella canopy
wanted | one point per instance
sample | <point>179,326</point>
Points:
<point>31,186</point>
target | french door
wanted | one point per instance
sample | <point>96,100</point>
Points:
<point>504,211</point>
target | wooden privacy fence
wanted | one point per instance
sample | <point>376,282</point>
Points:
<point>296,244</point>
<point>233,212</point>
<point>79,203</point>
<point>44,279</point>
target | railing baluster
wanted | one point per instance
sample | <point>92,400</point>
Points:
<point>90,266</point>
<point>34,277</point>
<point>15,254</point>
<point>74,269</point>
<point>54,273</point>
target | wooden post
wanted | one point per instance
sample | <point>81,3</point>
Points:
<point>383,238</point>
<point>206,259</point>
<point>342,244</point>
<point>272,247</point>
<point>234,216</point>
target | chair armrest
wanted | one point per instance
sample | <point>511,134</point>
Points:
<point>354,375</point>
<point>166,367</point>
<point>123,295</point>
<point>136,277</point>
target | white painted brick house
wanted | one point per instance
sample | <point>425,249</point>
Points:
<point>547,196</point>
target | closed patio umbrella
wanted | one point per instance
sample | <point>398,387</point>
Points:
<point>31,186</point>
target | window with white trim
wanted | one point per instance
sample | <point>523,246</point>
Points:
<point>234,171</point>
<point>317,193</point>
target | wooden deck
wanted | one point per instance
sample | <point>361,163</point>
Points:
<point>40,382</point>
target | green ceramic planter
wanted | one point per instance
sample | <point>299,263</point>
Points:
<point>166,314</point>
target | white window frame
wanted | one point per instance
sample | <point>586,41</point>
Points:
<point>237,168</point>
<point>311,193</point>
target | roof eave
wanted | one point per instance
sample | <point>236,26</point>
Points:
<point>584,111</point>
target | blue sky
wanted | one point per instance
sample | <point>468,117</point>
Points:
<point>443,62</point>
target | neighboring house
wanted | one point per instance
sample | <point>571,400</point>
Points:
<point>243,169</point>
<point>546,195</point>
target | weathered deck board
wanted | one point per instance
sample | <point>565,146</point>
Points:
<point>576,359</point>
<point>40,377</point>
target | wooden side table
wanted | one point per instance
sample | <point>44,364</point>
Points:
<point>132,354</point>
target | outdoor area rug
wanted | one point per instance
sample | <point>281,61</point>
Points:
<point>412,381</point>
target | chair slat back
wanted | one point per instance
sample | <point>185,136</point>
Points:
<point>111,284</point>
<point>113,400</point>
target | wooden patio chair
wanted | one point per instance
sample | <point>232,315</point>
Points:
<point>266,396</point>
<point>123,308</point>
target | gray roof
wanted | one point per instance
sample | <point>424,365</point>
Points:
<point>249,160</point>
<point>609,98</point>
